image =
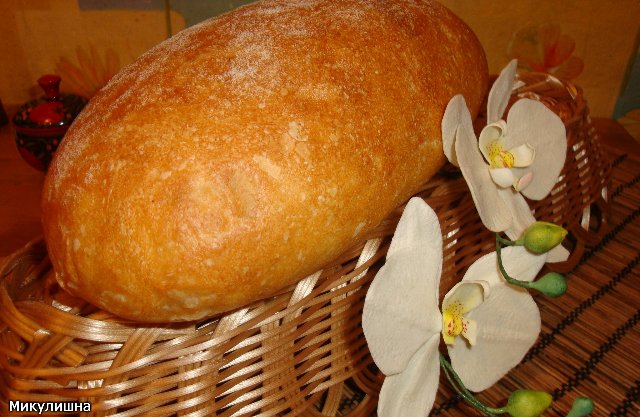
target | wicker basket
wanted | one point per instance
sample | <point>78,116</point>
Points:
<point>299,353</point>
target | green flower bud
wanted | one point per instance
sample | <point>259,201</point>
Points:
<point>582,407</point>
<point>551,284</point>
<point>541,237</point>
<point>528,403</point>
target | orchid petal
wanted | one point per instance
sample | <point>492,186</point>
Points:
<point>418,230</point>
<point>523,155</point>
<point>461,299</point>
<point>558,254</point>
<point>521,264</point>
<point>518,84</point>
<point>412,392</point>
<point>470,332</point>
<point>509,324</point>
<point>502,177</point>
<point>470,294</point>
<point>508,321</point>
<point>489,134</point>
<point>401,307</point>
<point>401,311</point>
<point>523,182</point>
<point>521,216</point>
<point>517,260</point>
<point>455,112</point>
<point>493,212</point>
<point>501,92</point>
<point>531,122</point>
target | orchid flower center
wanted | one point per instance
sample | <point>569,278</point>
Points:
<point>463,298</point>
<point>494,143</point>
<point>453,322</point>
<point>498,156</point>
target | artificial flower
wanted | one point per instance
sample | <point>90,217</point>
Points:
<point>91,73</point>
<point>487,324</point>
<point>522,154</point>
<point>544,48</point>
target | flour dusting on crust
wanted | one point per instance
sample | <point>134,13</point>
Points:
<point>252,149</point>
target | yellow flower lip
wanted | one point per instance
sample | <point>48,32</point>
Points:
<point>462,298</point>
<point>493,146</point>
<point>498,156</point>
<point>452,326</point>
<point>493,143</point>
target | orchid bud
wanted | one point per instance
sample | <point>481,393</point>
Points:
<point>551,284</point>
<point>582,406</point>
<point>527,403</point>
<point>541,237</point>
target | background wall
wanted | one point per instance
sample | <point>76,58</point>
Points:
<point>593,42</point>
<point>604,35</point>
<point>37,35</point>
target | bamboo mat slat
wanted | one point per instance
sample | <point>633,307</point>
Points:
<point>590,339</point>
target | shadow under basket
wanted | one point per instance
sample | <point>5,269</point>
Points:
<point>301,352</point>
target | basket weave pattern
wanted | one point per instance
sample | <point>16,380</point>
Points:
<point>301,352</point>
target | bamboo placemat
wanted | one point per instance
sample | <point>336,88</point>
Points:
<point>590,342</point>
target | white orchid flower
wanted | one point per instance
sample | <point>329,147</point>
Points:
<point>521,154</point>
<point>403,325</point>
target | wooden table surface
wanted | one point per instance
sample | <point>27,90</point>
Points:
<point>21,185</point>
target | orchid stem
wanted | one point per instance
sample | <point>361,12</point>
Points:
<point>457,384</point>
<point>500,241</point>
<point>507,242</point>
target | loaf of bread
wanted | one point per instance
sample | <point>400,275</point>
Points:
<point>246,152</point>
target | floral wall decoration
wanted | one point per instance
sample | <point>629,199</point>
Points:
<point>544,48</point>
<point>90,70</point>
<point>600,35</point>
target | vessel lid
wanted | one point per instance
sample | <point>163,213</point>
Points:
<point>53,112</point>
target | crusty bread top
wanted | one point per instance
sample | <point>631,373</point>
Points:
<point>248,151</point>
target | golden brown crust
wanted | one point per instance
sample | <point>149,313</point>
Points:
<point>248,151</point>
